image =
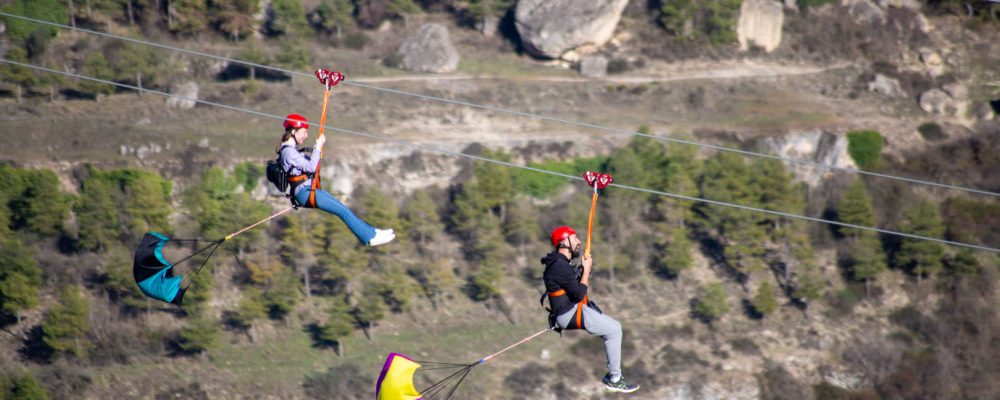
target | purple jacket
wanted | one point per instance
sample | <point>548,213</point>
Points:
<point>297,164</point>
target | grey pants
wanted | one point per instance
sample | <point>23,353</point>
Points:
<point>598,324</point>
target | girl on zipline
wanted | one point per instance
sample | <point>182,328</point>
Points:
<point>301,168</point>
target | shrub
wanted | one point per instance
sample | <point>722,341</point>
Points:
<point>865,148</point>
<point>931,131</point>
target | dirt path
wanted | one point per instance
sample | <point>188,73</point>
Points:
<point>661,73</point>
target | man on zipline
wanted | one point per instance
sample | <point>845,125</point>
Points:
<point>570,308</point>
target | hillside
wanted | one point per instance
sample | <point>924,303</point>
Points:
<point>716,303</point>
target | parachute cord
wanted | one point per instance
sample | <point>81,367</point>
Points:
<point>216,247</point>
<point>273,216</point>
<point>487,358</point>
<point>202,250</point>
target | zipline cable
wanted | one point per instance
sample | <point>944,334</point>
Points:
<point>513,165</point>
<point>818,166</point>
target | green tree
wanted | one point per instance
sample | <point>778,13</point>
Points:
<point>720,20</point>
<point>334,15</point>
<point>147,204</point>
<point>922,257</point>
<point>495,182</point>
<point>401,8</point>
<point>66,326</point>
<point>381,210</point>
<point>727,178</point>
<point>963,263</point>
<point>711,304</point>
<point>251,308</point>
<point>199,336</point>
<point>293,56</point>
<point>187,17</point>
<point>678,17</point>
<point>248,174</point>
<point>23,31</point>
<point>234,18</point>
<point>369,309</point>
<point>422,219</point>
<point>856,208</point>
<point>865,148</point>
<point>133,64</point>
<point>27,388</point>
<point>118,279</point>
<point>522,226</point>
<point>20,77</point>
<point>20,278</point>
<point>674,250</point>
<point>865,256</point>
<point>287,18</point>
<point>339,323</point>
<point>40,207</point>
<point>487,280</point>
<point>283,294</point>
<point>200,289</point>
<point>97,214</point>
<point>808,284</point>
<point>765,301</point>
<point>96,66</point>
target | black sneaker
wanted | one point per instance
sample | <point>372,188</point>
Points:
<point>620,386</point>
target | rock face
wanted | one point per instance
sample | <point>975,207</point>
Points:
<point>886,86</point>
<point>429,50</point>
<point>550,28</point>
<point>865,11</point>
<point>936,101</point>
<point>815,146</point>
<point>932,62</point>
<point>904,4</point>
<point>594,66</point>
<point>184,96</point>
<point>760,24</point>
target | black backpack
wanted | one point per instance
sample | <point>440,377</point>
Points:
<point>277,175</point>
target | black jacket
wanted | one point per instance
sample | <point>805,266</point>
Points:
<point>560,274</point>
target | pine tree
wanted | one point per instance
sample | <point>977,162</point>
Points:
<point>369,310</point>
<point>922,257</point>
<point>20,278</point>
<point>711,302</point>
<point>335,15</point>
<point>423,221</point>
<point>97,214</point>
<point>727,178</point>
<point>867,259</point>
<point>856,208</point>
<point>287,18</point>
<point>963,263</point>
<point>283,294</point>
<point>187,17</point>
<point>199,336</point>
<point>235,18</point>
<point>674,250</point>
<point>96,66</point>
<point>26,387</point>
<point>522,223</point>
<point>495,183</point>
<point>20,77</point>
<point>67,325</point>
<point>250,309</point>
<point>765,301</point>
<point>339,324</point>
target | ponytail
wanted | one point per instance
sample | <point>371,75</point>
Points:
<point>288,133</point>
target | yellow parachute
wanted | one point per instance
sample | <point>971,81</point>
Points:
<point>396,381</point>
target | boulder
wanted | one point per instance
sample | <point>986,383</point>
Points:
<point>936,101</point>
<point>985,112</point>
<point>594,66</point>
<point>815,146</point>
<point>184,96</point>
<point>550,28</point>
<point>913,5</point>
<point>886,86</point>
<point>865,11</point>
<point>429,50</point>
<point>792,5</point>
<point>932,62</point>
<point>760,24</point>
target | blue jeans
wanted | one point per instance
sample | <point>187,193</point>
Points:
<point>326,202</point>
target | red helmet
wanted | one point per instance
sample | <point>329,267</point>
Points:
<point>561,233</point>
<point>296,121</point>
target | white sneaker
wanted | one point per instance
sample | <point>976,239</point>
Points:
<point>382,236</point>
